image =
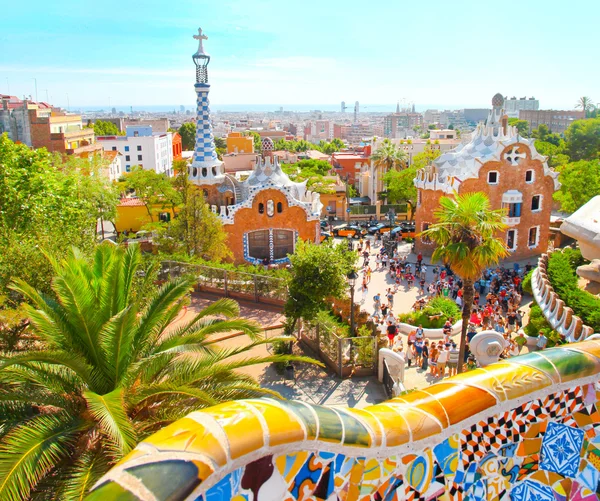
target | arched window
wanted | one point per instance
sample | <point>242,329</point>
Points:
<point>283,243</point>
<point>195,173</point>
<point>279,207</point>
<point>270,208</point>
<point>258,244</point>
<point>261,208</point>
<point>205,192</point>
<point>214,171</point>
<point>204,172</point>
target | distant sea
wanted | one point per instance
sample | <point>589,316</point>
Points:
<point>215,107</point>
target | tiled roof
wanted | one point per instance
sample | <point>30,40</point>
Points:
<point>130,202</point>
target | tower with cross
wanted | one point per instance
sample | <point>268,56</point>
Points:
<point>206,168</point>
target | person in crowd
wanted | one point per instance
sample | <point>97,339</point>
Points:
<point>410,353</point>
<point>442,360</point>
<point>425,355</point>
<point>391,333</point>
<point>453,359</point>
<point>433,356</point>
<point>542,341</point>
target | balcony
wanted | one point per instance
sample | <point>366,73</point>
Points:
<point>511,221</point>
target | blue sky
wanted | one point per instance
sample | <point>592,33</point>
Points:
<point>446,52</point>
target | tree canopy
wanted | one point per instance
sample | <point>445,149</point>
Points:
<point>187,131</point>
<point>583,139</point>
<point>580,182</point>
<point>102,128</point>
<point>521,125</point>
<point>47,204</point>
<point>388,156</point>
<point>317,271</point>
<point>400,184</point>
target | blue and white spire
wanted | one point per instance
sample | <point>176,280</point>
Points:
<point>206,168</point>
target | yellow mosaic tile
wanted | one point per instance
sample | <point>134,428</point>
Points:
<point>283,426</point>
<point>292,463</point>
<point>204,470</point>
<point>461,401</point>
<point>371,422</point>
<point>518,381</point>
<point>396,430</point>
<point>421,425</point>
<point>424,401</point>
<point>189,435</point>
<point>242,427</point>
<point>482,378</point>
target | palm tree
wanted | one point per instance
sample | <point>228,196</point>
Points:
<point>465,240</point>
<point>110,368</point>
<point>388,156</point>
<point>585,103</point>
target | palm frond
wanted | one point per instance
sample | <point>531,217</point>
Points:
<point>83,474</point>
<point>52,357</point>
<point>109,412</point>
<point>32,450</point>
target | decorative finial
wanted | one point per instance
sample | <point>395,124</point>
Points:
<point>200,36</point>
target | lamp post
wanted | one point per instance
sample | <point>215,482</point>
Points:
<point>352,276</point>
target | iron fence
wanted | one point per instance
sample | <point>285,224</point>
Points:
<point>345,356</point>
<point>238,284</point>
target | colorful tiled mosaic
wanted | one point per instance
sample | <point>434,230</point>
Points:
<point>527,429</point>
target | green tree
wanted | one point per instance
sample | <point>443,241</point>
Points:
<point>580,182</point>
<point>542,133</point>
<point>46,202</point>
<point>388,156</point>
<point>187,131</point>
<point>400,184</point>
<point>314,172</point>
<point>102,128</point>
<point>257,140</point>
<point>583,139</point>
<point>401,188</point>
<point>318,271</point>
<point>196,230</point>
<point>521,125</point>
<point>585,104</point>
<point>556,154</point>
<point>155,190</point>
<point>108,371</point>
<point>465,236</point>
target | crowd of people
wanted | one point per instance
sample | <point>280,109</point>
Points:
<point>497,299</point>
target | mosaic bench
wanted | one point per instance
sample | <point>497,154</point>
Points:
<point>525,429</point>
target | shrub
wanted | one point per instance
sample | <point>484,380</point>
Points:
<point>440,308</point>
<point>564,280</point>
<point>527,282</point>
<point>281,348</point>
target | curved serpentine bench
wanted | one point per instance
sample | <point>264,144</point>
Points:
<point>559,316</point>
<point>525,427</point>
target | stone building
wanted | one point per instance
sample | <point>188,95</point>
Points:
<point>508,169</point>
<point>264,215</point>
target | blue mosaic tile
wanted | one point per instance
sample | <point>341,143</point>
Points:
<point>561,449</point>
<point>531,491</point>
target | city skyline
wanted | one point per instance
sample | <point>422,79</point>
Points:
<point>454,54</point>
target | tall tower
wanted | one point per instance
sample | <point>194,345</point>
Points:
<point>343,106</point>
<point>206,167</point>
<point>398,107</point>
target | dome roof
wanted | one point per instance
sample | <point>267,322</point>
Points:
<point>498,101</point>
<point>267,144</point>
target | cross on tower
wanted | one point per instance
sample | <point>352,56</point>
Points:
<point>514,155</point>
<point>200,36</point>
